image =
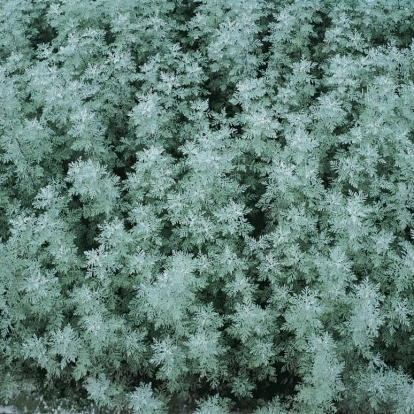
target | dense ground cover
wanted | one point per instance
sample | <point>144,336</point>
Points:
<point>208,201</point>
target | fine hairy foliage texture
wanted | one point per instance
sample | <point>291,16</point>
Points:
<point>208,200</point>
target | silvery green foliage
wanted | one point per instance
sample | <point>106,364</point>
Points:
<point>272,407</point>
<point>214,197</point>
<point>213,405</point>
<point>142,400</point>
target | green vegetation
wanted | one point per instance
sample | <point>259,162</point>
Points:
<point>208,201</point>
